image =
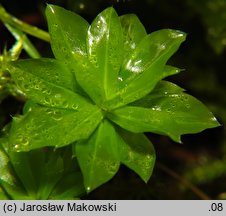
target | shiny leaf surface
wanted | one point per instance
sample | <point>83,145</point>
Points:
<point>47,82</point>
<point>44,126</point>
<point>68,33</point>
<point>133,33</point>
<point>103,42</point>
<point>98,156</point>
<point>170,113</point>
<point>137,152</point>
<point>104,74</point>
<point>145,67</point>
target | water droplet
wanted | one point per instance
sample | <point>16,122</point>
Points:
<point>120,79</point>
<point>47,100</point>
<point>88,189</point>
<point>58,96</point>
<point>48,91</point>
<point>36,87</point>
<point>176,34</point>
<point>29,126</point>
<point>213,119</point>
<point>16,147</point>
<point>20,78</point>
<point>64,103</point>
<point>57,116</point>
<point>188,106</point>
<point>75,106</point>
<point>25,142</point>
<point>156,108</point>
<point>112,167</point>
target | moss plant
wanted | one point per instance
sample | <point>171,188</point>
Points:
<point>92,103</point>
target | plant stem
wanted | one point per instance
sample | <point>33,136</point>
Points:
<point>29,29</point>
<point>184,181</point>
<point>27,45</point>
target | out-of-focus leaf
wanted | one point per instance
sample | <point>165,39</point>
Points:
<point>27,45</point>
<point>69,187</point>
<point>212,14</point>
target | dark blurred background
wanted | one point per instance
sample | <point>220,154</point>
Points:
<point>195,169</point>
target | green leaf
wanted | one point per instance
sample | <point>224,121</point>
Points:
<point>98,156</point>
<point>39,174</point>
<point>47,82</point>
<point>69,187</point>
<point>44,126</point>
<point>99,77</point>
<point>103,42</point>
<point>49,169</point>
<point>133,33</point>
<point>14,192</point>
<point>3,195</point>
<point>21,165</point>
<point>28,106</point>
<point>68,38</point>
<point>137,152</point>
<point>9,182</point>
<point>48,70</point>
<point>167,113</point>
<point>163,87</point>
<point>68,33</point>
<point>5,170</point>
<point>27,45</point>
<point>145,66</point>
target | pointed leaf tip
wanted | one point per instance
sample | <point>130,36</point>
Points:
<point>50,7</point>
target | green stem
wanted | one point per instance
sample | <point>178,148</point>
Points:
<point>27,45</point>
<point>29,29</point>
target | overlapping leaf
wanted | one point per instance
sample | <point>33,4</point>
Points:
<point>43,126</point>
<point>145,66</point>
<point>68,34</point>
<point>166,111</point>
<point>107,72</point>
<point>98,156</point>
<point>133,33</point>
<point>101,155</point>
<point>47,82</point>
<point>11,188</point>
<point>37,174</point>
<point>104,40</point>
<point>136,152</point>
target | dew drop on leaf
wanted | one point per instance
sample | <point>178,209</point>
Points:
<point>120,79</point>
<point>57,116</point>
<point>16,147</point>
<point>112,167</point>
<point>88,189</point>
<point>188,106</point>
<point>75,106</point>
<point>168,110</point>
